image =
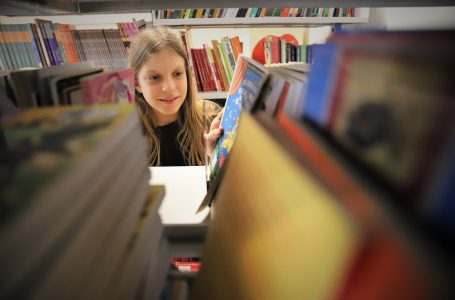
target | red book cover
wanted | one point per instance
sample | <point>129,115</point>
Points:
<point>201,68</point>
<point>284,12</point>
<point>384,270</point>
<point>197,70</point>
<point>207,70</point>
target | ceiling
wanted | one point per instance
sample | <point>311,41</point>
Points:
<point>61,7</point>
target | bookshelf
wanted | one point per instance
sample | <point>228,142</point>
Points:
<point>105,21</point>
<point>360,16</point>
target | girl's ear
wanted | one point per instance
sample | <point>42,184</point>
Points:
<point>138,89</point>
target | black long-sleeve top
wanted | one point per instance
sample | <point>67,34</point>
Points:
<point>170,154</point>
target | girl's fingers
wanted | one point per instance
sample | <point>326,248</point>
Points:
<point>213,135</point>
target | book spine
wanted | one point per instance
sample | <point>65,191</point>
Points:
<point>219,65</point>
<point>4,55</point>
<point>236,46</point>
<point>36,45</point>
<point>197,65</point>
<point>184,35</point>
<point>43,44</point>
<point>212,68</point>
<point>226,64</point>
<point>229,52</point>
<point>9,42</point>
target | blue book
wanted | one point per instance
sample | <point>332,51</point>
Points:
<point>249,77</point>
<point>320,82</point>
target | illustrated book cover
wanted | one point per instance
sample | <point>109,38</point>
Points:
<point>249,77</point>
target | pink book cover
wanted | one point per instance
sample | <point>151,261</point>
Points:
<point>109,87</point>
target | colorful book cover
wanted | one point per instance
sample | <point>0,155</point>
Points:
<point>110,87</point>
<point>249,77</point>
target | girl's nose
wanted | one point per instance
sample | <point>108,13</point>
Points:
<point>168,85</point>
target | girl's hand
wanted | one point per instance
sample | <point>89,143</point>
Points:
<point>214,133</point>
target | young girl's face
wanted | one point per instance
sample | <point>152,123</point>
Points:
<point>162,81</point>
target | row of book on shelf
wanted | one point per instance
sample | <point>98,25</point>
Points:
<point>278,50</point>
<point>213,65</point>
<point>45,43</point>
<point>80,83</point>
<point>256,12</point>
<point>370,126</point>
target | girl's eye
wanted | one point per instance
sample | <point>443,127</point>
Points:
<point>153,77</point>
<point>178,74</point>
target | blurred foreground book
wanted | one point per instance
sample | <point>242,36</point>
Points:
<point>75,204</point>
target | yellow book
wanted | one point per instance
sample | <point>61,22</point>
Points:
<point>277,232</point>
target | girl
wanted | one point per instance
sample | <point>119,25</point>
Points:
<point>173,118</point>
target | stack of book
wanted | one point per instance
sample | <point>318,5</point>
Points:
<point>78,218</point>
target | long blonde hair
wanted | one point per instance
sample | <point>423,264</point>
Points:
<point>190,138</point>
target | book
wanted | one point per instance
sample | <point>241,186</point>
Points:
<point>249,77</point>
<point>394,134</point>
<point>31,87</point>
<point>67,80</point>
<point>144,260</point>
<point>321,83</point>
<point>266,206</point>
<point>109,87</point>
<point>270,94</point>
<point>57,194</point>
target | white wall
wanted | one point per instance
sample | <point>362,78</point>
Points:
<point>396,18</point>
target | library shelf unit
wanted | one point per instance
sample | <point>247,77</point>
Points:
<point>361,16</point>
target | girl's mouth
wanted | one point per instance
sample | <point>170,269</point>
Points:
<point>169,99</point>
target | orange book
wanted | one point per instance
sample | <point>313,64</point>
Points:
<point>236,46</point>
<point>284,12</point>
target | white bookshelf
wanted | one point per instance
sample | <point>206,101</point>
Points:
<point>213,95</point>
<point>361,16</point>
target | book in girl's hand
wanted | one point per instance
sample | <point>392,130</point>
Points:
<point>249,77</point>
<point>110,87</point>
